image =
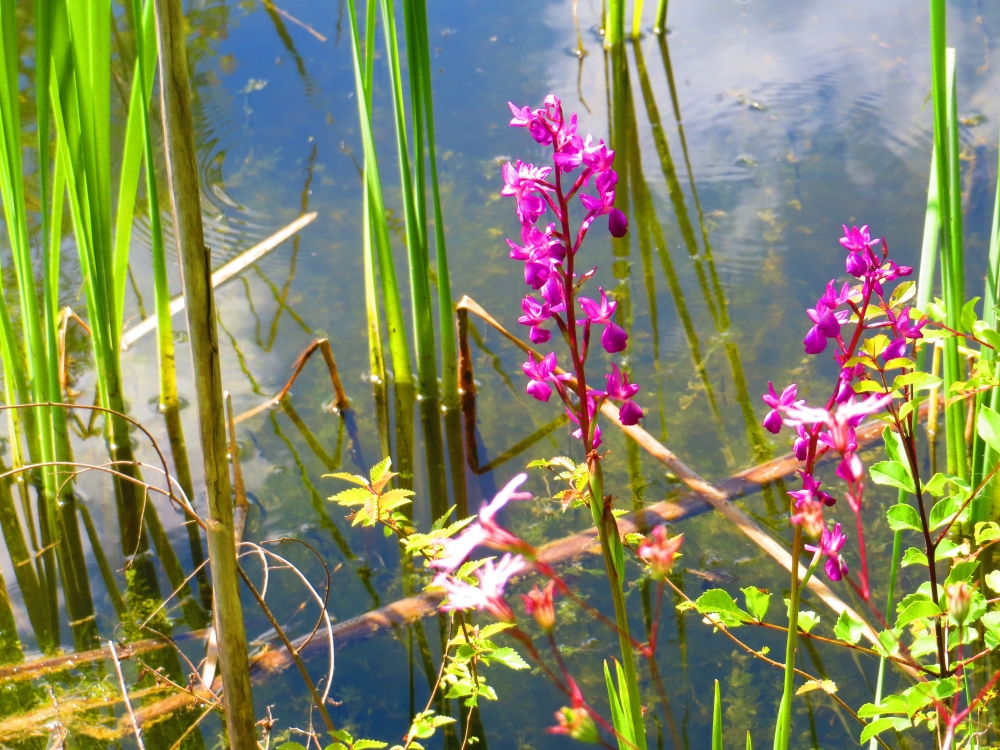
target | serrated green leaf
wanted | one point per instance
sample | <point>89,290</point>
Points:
<point>904,292</point>
<point>848,628</point>
<point>916,611</point>
<point>993,580</point>
<point>936,484</point>
<point>918,380</point>
<point>369,745</point>
<point>290,746</point>
<point>719,602</point>
<point>892,474</point>
<point>758,601</point>
<point>353,478</point>
<point>944,510</point>
<point>913,556</point>
<point>961,571</point>
<point>899,363</point>
<point>493,628</point>
<point>987,531</point>
<point>353,496</point>
<point>988,427</point>
<point>379,469</point>
<point>808,620</point>
<point>903,516</point>
<point>891,704</point>
<point>509,658</point>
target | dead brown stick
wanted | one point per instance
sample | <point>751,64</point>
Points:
<point>323,346</point>
<point>294,20</point>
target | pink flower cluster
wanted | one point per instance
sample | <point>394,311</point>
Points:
<point>832,428</point>
<point>549,254</point>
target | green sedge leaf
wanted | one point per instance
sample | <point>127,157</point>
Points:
<point>902,516</point>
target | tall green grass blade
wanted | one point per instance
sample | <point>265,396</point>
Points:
<point>942,78</point>
<point>421,94</point>
<point>660,27</point>
<point>398,347</point>
<point>133,149</point>
<point>637,19</point>
<point>420,287</point>
<point>614,24</point>
<point>717,719</point>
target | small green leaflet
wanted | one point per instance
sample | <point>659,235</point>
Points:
<point>848,629</point>
<point>508,657</point>
<point>808,620</point>
<point>988,426</point>
<point>758,601</point>
<point>880,725</point>
<point>916,611</point>
<point>993,580</point>
<point>987,531</point>
<point>719,602</point>
<point>892,474</point>
<point>902,516</point>
<point>969,316</point>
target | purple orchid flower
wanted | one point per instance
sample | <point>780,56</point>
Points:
<point>538,373</point>
<point>592,397</point>
<point>614,339</point>
<point>620,389</point>
<point>535,314</point>
<point>772,422</point>
<point>904,326</point>
<point>811,491</point>
<point>830,544</point>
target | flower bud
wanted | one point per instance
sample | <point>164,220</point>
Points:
<point>959,601</point>
<point>538,604</point>
<point>659,551</point>
<point>576,723</point>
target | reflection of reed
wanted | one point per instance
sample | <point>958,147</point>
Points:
<point>649,226</point>
<point>709,283</point>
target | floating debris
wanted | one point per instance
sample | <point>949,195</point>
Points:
<point>745,160</point>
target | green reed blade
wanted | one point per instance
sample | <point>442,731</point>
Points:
<point>660,27</point>
<point>614,25</point>
<point>717,719</point>
<point>942,77</point>
<point>398,347</point>
<point>420,291</point>
<point>897,543</point>
<point>637,19</point>
<point>133,150</point>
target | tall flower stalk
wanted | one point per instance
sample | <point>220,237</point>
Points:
<point>550,262</point>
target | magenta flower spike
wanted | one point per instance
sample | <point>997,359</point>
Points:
<point>535,314</point>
